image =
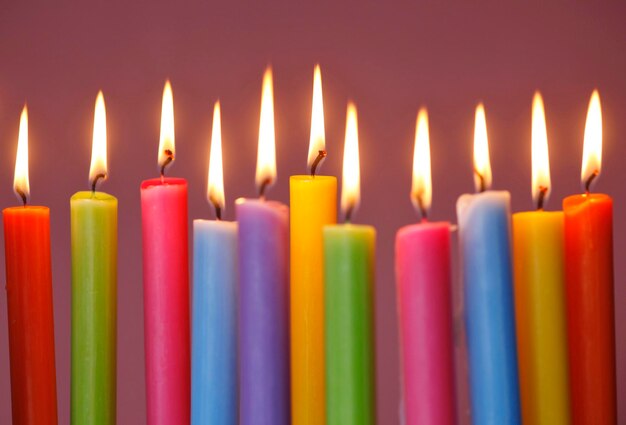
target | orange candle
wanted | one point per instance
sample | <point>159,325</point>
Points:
<point>29,300</point>
<point>589,288</point>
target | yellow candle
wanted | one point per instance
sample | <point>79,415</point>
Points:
<point>313,204</point>
<point>539,297</point>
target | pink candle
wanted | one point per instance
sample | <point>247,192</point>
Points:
<point>425,303</point>
<point>166,286</point>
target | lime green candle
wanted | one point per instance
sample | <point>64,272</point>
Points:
<point>349,319</point>
<point>94,307</point>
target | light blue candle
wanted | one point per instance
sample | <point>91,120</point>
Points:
<point>214,326</point>
<point>485,243</point>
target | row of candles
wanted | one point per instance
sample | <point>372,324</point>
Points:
<point>282,306</point>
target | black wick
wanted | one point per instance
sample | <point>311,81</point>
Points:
<point>349,212</point>
<point>320,157</point>
<point>543,191</point>
<point>22,195</point>
<point>421,208</point>
<point>218,209</point>
<point>481,178</point>
<point>589,180</point>
<point>263,187</point>
<point>168,160</point>
<point>94,182</point>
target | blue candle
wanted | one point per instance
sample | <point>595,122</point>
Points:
<point>485,243</point>
<point>214,325</point>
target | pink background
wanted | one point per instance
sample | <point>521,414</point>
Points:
<point>389,60</point>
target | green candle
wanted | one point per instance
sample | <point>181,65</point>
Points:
<point>94,292</point>
<point>348,292</point>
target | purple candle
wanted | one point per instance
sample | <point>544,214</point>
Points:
<point>263,312</point>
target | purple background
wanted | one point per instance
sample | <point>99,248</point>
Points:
<point>389,60</point>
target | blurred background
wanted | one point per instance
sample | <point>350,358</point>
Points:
<point>389,59</point>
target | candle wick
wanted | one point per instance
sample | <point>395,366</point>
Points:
<point>218,209</point>
<point>590,180</point>
<point>22,195</point>
<point>263,187</point>
<point>94,182</point>
<point>481,179</point>
<point>543,191</point>
<point>421,208</point>
<point>168,160</point>
<point>320,157</point>
<point>348,217</point>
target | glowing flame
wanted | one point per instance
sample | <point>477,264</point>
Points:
<point>21,185</point>
<point>592,148</point>
<point>421,192</point>
<point>317,141</point>
<point>541,186</point>
<point>215,190</point>
<point>266,155</point>
<point>482,164</point>
<point>98,168</point>
<point>351,190</point>
<point>167,147</point>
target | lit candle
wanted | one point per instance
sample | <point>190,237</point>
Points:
<point>485,244</point>
<point>313,205</point>
<point>425,302</point>
<point>589,287</point>
<point>263,248</point>
<point>349,301</point>
<point>166,284</point>
<point>214,325</point>
<point>29,300</point>
<point>94,290</point>
<point>540,294</point>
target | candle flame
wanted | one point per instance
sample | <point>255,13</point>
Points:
<point>592,148</point>
<point>215,188</point>
<point>421,192</point>
<point>21,185</point>
<point>167,146</point>
<point>98,168</point>
<point>482,164</point>
<point>317,141</point>
<point>351,191</point>
<point>266,155</point>
<point>541,185</point>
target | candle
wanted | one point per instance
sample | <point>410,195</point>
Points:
<point>166,284</point>
<point>29,300</point>
<point>94,290</point>
<point>589,288</point>
<point>263,249</point>
<point>425,302</point>
<point>539,294</point>
<point>485,243</point>
<point>214,325</point>
<point>313,205</point>
<point>349,297</point>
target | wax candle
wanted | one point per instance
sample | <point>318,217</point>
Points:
<point>485,244</point>
<point>589,288</point>
<point>313,205</point>
<point>29,300</point>
<point>539,294</point>
<point>349,297</point>
<point>425,302</point>
<point>94,290</point>
<point>166,285</point>
<point>214,324</point>
<point>263,249</point>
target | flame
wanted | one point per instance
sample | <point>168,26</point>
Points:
<point>167,147</point>
<point>592,148</point>
<point>215,188</point>
<point>351,191</point>
<point>317,141</point>
<point>266,155</point>
<point>98,168</point>
<point>540,156</point>
<point>421,192</point>
<point>482,164</point>
<point>21,186</point>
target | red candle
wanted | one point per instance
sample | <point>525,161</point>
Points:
<point>29,301</point>
<point>166,285</point>
<point>589,287</point>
